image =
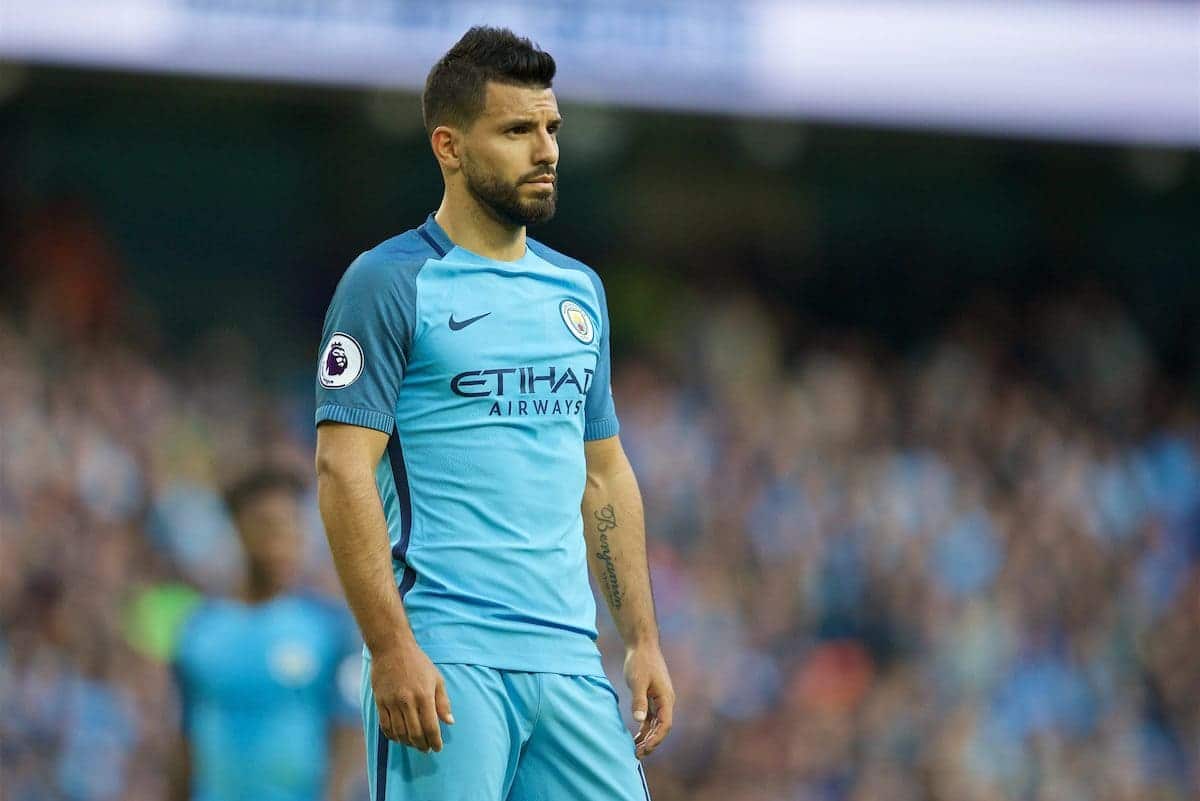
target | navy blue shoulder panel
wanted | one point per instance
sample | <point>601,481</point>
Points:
<point>369,331</point>
<point>389,268</point>
<point>559,259</point>
<point>396,261</point>
<point>567,263</point>
<point>412,245</point>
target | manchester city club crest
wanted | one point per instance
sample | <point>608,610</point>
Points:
<point>577,321</point>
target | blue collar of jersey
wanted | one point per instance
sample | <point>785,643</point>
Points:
<point>431,230</point>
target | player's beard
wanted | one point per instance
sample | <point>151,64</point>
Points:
<point>504,200</point>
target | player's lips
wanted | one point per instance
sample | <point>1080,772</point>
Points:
<point>547,180</point>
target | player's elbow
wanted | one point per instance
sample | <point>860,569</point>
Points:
<point>340,480</point>
<point>606,462</point>
<point>335,467</point>
<point>347,454</point>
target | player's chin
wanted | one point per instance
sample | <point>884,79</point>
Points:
<point>539,211</point>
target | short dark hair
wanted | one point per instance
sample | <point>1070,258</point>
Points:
<point>260,481</point>
<point>456,87</point>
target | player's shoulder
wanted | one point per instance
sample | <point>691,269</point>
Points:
<point>203,614</point>
<point>397,259</point>
<point>319,606</point>
<point>325,617</point>
<point>313,601</point>
<point>558,259</point>
<point>565,262</point>
<point>412,246</point>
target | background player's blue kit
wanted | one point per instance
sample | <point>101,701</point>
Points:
<point>259,685</point>
<point>488,376</point>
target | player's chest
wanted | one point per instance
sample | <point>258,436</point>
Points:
<point>482,320</point>
<point>245,662</point>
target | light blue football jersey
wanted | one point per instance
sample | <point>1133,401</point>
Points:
<point>488,376</point>
<point>261,685</point>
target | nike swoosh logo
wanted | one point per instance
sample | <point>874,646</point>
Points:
<point>458,325</point>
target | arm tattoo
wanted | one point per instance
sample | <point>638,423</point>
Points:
<point>606,519</point>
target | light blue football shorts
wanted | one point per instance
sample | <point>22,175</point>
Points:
<point>517,736</point>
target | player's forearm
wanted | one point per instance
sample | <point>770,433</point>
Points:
<point>357,532</point>
<point>615,531</point>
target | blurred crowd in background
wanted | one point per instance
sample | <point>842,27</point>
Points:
<point>965,572</point>
<point>968,573</point>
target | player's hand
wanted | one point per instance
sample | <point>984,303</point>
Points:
<point>410,696</point>
<point>653,696</point>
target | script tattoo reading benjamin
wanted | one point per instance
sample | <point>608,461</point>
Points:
<point>606,520</point>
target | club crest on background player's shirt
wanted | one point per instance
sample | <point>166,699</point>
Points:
<point>341,362</point>
<point>577,321</point>
<point>292,664</point>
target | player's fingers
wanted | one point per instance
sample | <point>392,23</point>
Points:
<point>653,738</point>
<point>646,732</point>
<point>392,724</point>
<point>392,727</point>
<point>412,721</point>
<point>645,743</point>
<point>664,711</point>
<point>640,707</point>
<point>442,701</point>
<point>427,710</point>
<point>643,730</point>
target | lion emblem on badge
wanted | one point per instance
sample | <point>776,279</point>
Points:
<point>342,362</point>
<point>336,361</point>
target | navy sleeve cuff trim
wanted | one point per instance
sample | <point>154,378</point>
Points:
<point>367,418</point>
<point>603,428</point>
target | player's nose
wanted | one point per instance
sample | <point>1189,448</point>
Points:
<point>545,148</point>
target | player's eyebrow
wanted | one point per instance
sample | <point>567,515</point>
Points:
<point>510,122</point>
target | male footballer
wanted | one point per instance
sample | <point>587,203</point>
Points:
<point>469,468</point>
<point>264,713</point>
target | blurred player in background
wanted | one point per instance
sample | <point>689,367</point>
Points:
<point>464,413</point>
<point>259,677</point>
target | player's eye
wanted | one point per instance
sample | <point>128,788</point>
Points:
<point>519,129</point>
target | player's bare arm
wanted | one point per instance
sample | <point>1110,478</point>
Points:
<point>410,693</point>
<point>615,531</point>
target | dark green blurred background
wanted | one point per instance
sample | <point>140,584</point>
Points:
<point>235,204</point>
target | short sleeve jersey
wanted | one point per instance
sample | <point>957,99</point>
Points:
<point>488,376</point>
<point>261,685</point>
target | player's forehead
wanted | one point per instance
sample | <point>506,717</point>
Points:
<point>506,100</point>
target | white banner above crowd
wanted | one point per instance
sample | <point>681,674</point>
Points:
<point>1112,71</point>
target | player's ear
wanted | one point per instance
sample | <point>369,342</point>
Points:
<point>446,146</point>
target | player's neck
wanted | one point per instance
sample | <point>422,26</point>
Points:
<point>471,227</point>
<point>259,587</point>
